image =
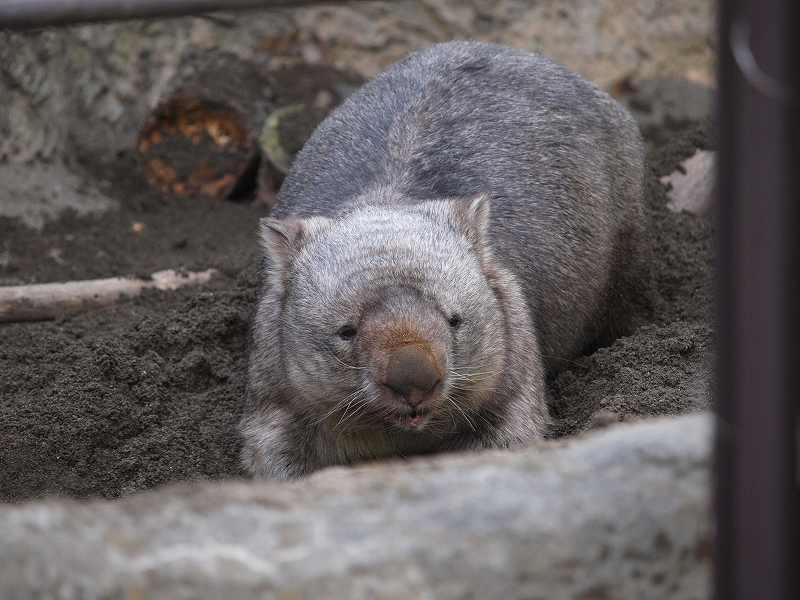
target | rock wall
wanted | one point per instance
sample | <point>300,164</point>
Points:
<point>83,90</point>
<point>620,513</point>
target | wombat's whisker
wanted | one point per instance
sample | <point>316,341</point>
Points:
<point>450,413</point>
<point>341,362</point>
<point>432,427</point>
<point>463,388</point>
<point>454,403</point>
<point>396,450</point>
<point>349,419</point>
<point>467,374</point>
<point>357,402</point>
<point>560,359</point>
<point>328,413</point>
<point>340,404</point>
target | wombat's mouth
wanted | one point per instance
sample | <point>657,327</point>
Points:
<point>412,419</point>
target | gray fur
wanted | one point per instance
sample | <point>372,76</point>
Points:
<point>467,179</point>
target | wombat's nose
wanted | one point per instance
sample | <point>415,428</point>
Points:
<point>412,373</point>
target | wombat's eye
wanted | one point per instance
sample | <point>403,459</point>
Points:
<point>346,332</point>
<point>454,321</point>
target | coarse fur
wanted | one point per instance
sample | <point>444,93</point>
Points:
<point>467,220</point>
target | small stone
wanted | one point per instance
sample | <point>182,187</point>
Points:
<point>692,189</point>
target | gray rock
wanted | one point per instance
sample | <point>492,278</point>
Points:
<point>620,513</point>
<point>39,192</point>
<point>606,41</point>
<point>692,190</point>
<point>668,104</point>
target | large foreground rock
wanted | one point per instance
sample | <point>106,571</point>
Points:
<point>622,513</point>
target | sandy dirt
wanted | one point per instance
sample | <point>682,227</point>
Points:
<point>148,392</point>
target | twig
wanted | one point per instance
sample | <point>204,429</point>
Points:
<point>43,301</point>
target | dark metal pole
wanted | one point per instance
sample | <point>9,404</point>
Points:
<point>758,301</point>
<point>34,14</point>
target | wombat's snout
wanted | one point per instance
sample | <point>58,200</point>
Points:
<point>413,373</point>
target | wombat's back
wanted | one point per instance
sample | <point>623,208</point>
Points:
<point>561,160</point>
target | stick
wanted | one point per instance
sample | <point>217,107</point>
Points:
<point>43,301</point>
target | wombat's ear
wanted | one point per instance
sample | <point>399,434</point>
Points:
<point>281,240</point>
<point>471,218</point>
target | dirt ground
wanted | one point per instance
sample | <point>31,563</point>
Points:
<point>149,391</point>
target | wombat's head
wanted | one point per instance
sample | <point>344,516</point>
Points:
<point>385,317</point>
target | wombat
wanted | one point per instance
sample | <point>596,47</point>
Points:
<point>466,220</point>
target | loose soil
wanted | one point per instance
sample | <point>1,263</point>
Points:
<point>149,391</point>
